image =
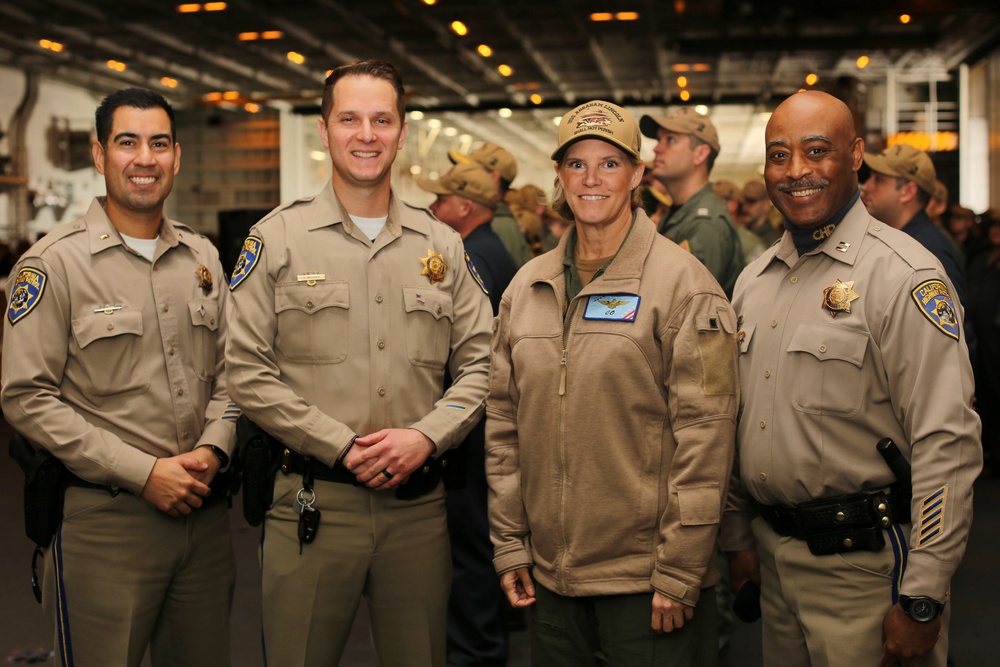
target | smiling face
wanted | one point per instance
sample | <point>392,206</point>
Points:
<point>363,132</point>
<point>597,179</point>
<point>812,158</point>
<point>139,162</point>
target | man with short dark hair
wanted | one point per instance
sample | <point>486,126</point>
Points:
<point>849,333</point>
<point>113,362</point>
<point>350,312</point>
<point>686,148</point>
<point>757,211</point>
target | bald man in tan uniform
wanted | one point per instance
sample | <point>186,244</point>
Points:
<point>849,333</point>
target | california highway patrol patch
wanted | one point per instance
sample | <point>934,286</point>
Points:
<point>935,303</point>
<point>475,274</point>
<point>26,293</point>
<point>249,256</point>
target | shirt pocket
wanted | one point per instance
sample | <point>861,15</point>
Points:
<point>429,314</point>
<point>827,366</point>
<point>204,327</point>
<point>312,321</point>
<point>110,351</point>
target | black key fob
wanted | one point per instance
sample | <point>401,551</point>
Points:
<point>308,524</point>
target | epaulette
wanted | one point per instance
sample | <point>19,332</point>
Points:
<point>908,248</point>
<point>286,206</point>
<point>58,234</point>
<point>421,209</point>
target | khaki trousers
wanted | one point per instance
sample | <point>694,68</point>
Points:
<point>826,611</point>
<point>393,552</point>
<point>121,576</point>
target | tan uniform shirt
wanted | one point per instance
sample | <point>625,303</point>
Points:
<point>819,391</point>
<point>111,361</point>
<point>333,335</point>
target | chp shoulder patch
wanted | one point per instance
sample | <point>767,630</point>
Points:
<point>935,303</point>
<point>475,274</point>
<point>26,293</point>
<point>249,256</point>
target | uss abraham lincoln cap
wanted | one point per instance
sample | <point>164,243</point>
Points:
<point>684,120</point>
<point>470,181</point>
<point>906,162</point>
<point>599,120</point>
<point>490,156</point>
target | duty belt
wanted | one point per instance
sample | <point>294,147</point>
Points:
<point>293,463</point>
<point>852,522</point>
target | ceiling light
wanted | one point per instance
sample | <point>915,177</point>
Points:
<point>465,138</point>
<point>601,16</point>
<point>50,45</point>
<point>685,95</point>
<point>433,123</point>
<point>295,57</point>
<point>484,51</point>
<point>214,6</point>
<point>251,107</point>
<point>430,2</point>
<point>811,79</point>
<point>449,132</point>
<point>505,112</point>
<point>116,65</point>
<point>627,16</point>
<point>702,109</point>
<point>213,97</point>
<point>188,8</point>
<point>536,98</point>
<point>681,67</point>
<point>168,82</point>
<point>459,28</point>
<point>318,156</point>
<point>904,18</point>
<point>415,170</point>
<point>505,70</point>
<point>682,81</point>
<point>863,62</point>
<point>248,36</point>
<point>702,67</point>
<point>271,34</point>
<point>231,95</point>
<point>416,114</point>
<point>556,120</point>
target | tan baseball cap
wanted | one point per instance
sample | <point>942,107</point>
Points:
<point>727,190</point>
<point>906,162</point>
<point>684,120</point>
<point>598,119</point>
<point>754,191</point>
<point>528,196</point>
<point>465,180</point>
<point>492,157</point>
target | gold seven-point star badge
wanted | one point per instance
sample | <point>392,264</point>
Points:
<point>837,297</point>
<point>434,266</point>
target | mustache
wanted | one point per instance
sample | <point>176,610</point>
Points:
<point>802,184</point>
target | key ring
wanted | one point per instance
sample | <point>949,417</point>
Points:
<point>301,495</point>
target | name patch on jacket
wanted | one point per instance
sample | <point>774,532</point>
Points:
<point>615,307</point>
<point>26,293</point>
<point>935,303</point>
<point>249,256</point>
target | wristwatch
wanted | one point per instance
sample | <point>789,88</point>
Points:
<point>921,609</point>
<point>221,455</point>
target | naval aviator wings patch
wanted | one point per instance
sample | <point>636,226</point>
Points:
<point>245,263</point>
<point>935,303</point>
<point>26,293</point>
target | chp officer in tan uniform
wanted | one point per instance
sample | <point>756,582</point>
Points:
<point>113,362</point>
<point>849,333</point>
<point>349,311</point>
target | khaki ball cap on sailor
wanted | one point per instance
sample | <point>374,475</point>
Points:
<point>490,156</point>
<point>905,162</point>
<point>684,120</point>
<point>470,181</point>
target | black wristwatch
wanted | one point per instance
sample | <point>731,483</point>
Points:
<point>221,455</point>
<point>921,609</point>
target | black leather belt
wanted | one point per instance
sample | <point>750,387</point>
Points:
<point>839,524</point>
<point>294,463</point>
